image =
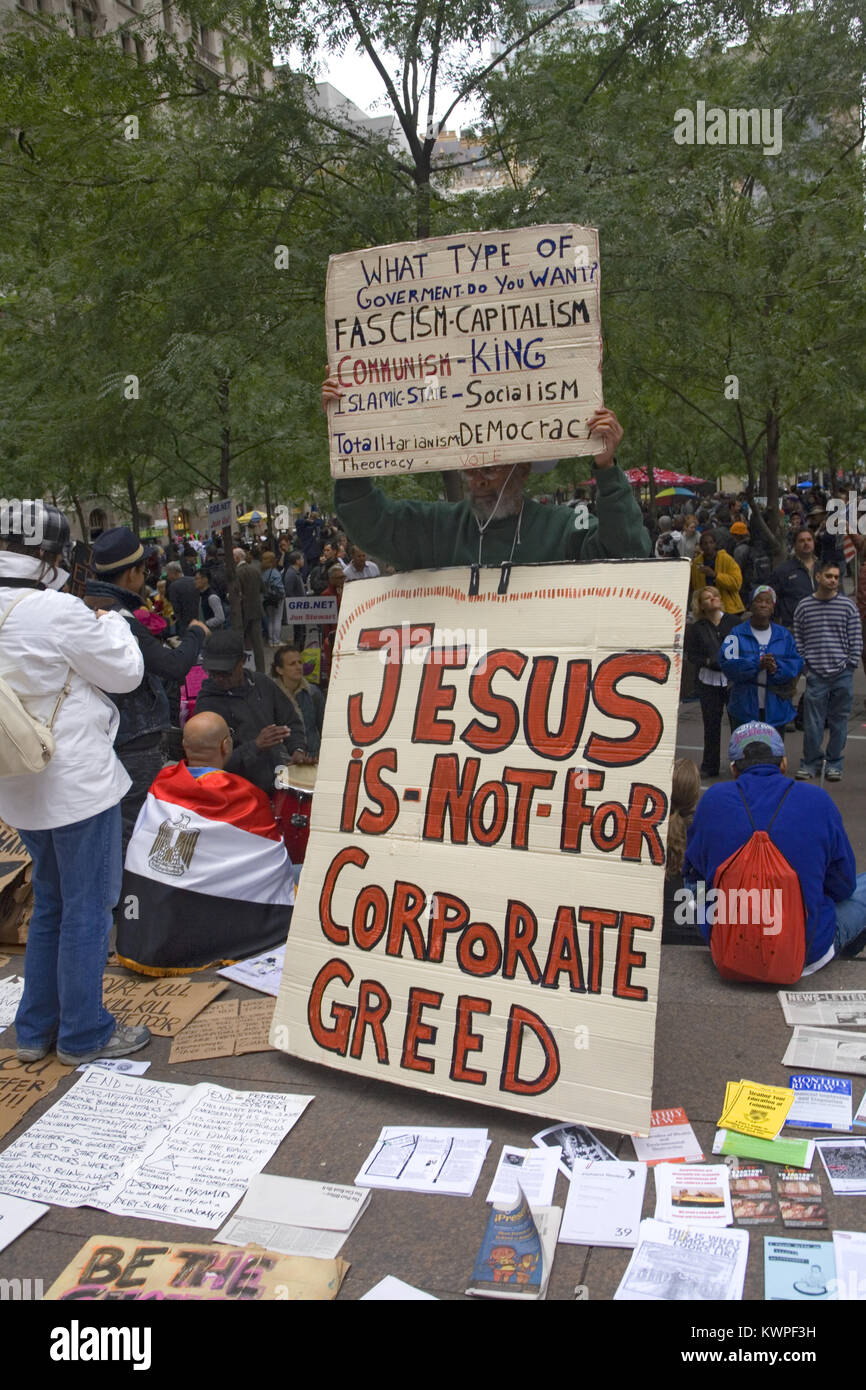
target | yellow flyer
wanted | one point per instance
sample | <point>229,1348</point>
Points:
<point>751,1108</point>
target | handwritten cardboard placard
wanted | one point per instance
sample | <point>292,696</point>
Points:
<point>480,908</point>
<point>22,1084</point>
<point>464,350</point>
<point>121,1267</point>
<point>229,1028</point>
<point>165,1006</point>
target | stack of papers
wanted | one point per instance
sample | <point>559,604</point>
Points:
<point>11,991</point>
<point>799,1269</point>
<point>16,1214</point>
<point>260,972</point>
<point>752,1198</point>
<point>860,1117</point>
<point>393,1290</point>
<point>753,1109</point>
<point>295,1217</point>
<point>516,1255</point>
<point>820,1102</point>
<point>426,1160</point>
<point>798,1152</point>
<point>801,1200</point>
<point>532,1170</point>
<point>844,1163</point>
<point>604,1204</point>
<point>672,1263</point>
<point>671,1140</point>
<point>699,1196</point>
<point>822,1007</point>
<point>824,1050</point>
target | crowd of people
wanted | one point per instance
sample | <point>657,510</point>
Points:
<point>177,644</point>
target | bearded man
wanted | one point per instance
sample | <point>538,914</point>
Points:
<point>498,522</point>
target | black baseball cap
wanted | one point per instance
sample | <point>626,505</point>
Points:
<point>223,651</point>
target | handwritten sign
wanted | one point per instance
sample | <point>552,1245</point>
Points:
<point>149,1149</point>
<point>220,514</point>
<point>227,1028</point>
<point>125,1267</point>
<point>480,908</point>
<point>464,350</point>
<point>163,1006</point>
<point>22,1084</point>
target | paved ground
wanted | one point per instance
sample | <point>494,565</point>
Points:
<point>708,1033</point>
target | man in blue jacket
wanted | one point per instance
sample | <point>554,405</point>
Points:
<point>761,662</point>
<point>808,831</point>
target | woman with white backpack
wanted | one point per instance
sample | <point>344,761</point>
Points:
<point>60,786</point>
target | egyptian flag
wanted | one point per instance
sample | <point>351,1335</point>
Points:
<point>207,879</point>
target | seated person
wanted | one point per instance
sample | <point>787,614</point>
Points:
<point>207,879</point>
<point>266,727</point>
<point>806,828</point>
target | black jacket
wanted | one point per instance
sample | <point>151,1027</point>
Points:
<point>145,712</point>
<point>791,582</point>
<point>704,639</point>
<point>247,709</point>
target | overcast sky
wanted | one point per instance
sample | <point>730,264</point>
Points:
<point>354,75</point>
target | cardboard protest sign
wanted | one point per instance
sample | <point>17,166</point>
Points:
<point>228,1028</point>
<point>22,1084</point>
<point>480,908</point>
<point>464,350</point>
<point>165,1006</point>
<point>121,1267</point>
<point>16,893</point>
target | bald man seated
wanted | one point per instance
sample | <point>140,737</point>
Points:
<point>207,879</point>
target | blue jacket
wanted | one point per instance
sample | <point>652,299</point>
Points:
<point>740,657</point>
<point>808,830</point>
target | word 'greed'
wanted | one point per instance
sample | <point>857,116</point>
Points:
<point>405,922</point>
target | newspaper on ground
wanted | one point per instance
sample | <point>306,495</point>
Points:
<point>604,1204</point>
<point>393,1290</point>
<point>296,1217</point>
<point>119,1267</point>
<point>259,972</point>
<point>532,1170</point>
<point>824,1007</point>
<point>694,1195</point>
<point>516,1255</point>
<point>16,1214</point>
<point>752,1200</point>
<point>149,1149</point>
<point>576,1142</point>
<point>671,1139</point>
<point>798,1152</point>
<point>849,1247</point>
<point>844,1163</point>
<point>683,1262</point>
<point>752,1108</point>
<point>823,1050</point>
<point>426,1160</point>
<point>799,1269</point>
<point>820,1102</point>
<point>11,991</point>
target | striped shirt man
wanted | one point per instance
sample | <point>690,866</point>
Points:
<point>829,634</point>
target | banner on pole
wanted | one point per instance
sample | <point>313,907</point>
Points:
<point>479,912</point>
<point>464,350</point>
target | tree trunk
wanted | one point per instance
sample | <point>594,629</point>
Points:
<point>451,481</point>
<point>268,528</point>
<point>81,522</point>
<point>133,502</point>
<point>772,469</point>
<point>225,476</point>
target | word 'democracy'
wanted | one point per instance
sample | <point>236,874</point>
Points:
<point>483,881</point>
<point>463,351</point>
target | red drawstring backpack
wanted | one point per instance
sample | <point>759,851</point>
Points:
<point>772,949</point>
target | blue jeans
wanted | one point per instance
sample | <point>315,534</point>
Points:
<point>826,700</point>
<point>76,883</point>
<point>851,915</point>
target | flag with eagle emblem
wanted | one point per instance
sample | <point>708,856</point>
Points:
<point>207,879</point>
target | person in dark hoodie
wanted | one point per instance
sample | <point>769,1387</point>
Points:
<point>266,727</point>
<point>119,568</point>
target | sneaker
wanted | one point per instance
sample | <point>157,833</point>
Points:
<point>804,774</point>
<point>33,1054</point>
<point>124,1041</point>
<point>833,774</point>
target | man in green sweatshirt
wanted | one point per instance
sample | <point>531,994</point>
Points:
<point>497,522</point>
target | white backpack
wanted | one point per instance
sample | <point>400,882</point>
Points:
<point>26,744</point>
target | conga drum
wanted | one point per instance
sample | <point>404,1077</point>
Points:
<point>293,804</point>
